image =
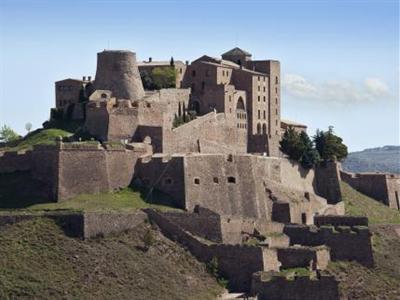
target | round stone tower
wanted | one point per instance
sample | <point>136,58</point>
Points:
<point>117,71</point>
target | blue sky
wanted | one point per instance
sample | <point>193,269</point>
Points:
<point>339,59</point>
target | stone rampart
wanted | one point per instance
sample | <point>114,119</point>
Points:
<point>340,221</point>
<point>79,224</point>
<point>328,181</point>
<point>300,288</point>
<point>315,258</point>
<point>382,187</point>
<point>345,243</point>
<point>236,263</point>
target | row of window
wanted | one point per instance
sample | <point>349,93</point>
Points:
<point>259,98</point>
<point>264,114</point>
<point>259,78</point>
<point>259,88</point>
<point>241,115</point>
<point>225,73</point>
<point>229,179</point>
<point>241,125</point>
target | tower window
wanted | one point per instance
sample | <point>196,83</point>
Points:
<point>264,115</point>
<point>259,114</point>
<point>197,181</point>
<point>259,98</point>
<point>276,80</point>
<point>215,179</point>
<point>231,179</point>
<point>264,98</point>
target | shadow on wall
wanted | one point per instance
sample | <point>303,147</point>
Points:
<point>153,196</point>
<point>18,190</point>
<point>302,171</point>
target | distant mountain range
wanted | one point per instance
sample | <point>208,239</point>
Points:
<point>382,159</point>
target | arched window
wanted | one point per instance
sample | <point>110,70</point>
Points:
<point>258,128</point>
<point>264,129</point>
<point>240,104</point>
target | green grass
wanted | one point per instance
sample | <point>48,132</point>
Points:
<point>38,261</point>
<point>40,136</point>
<point>125,200</point>
<point>291,272</point>
<point>357,204</point>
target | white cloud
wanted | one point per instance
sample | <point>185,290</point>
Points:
<point>339,91</point>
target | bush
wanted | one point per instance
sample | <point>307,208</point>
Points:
<point>212,268</point>
<point>159,78</point>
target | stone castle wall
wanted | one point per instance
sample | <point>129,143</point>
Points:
<point>382,187</point>
<point>235,263</point>
<point>14,161</point>
<point>301,288</point>
<point>328,181</point>
<point>345,243</point>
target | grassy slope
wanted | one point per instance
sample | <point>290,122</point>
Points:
<point>47,136</point>
<point>357,204</point>
<point>358,282</point>
<point>125,200</point>
<point>37,260</point>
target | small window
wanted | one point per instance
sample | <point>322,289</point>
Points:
<point>276,100</point>
<point>264,88</point>
<point>276,122</point>
<point>259,98</point>
<point>231,179</point>
<point>276,90</point>
<point>258,78</point>
<point>148,105</point>
<point>230,98</point>
<point>276,111</point>
<point>223,72</point>
<point>230,158</point>
<point>259,88</point>
<point>104,96</point>
<point>216,180</point>
<point>276,80</point>
<point>259,114</point>
<point>197,181</point>
<point>264,99</point>
<point>180,70</point>
<point>303,218</point>
<point>264,115</point>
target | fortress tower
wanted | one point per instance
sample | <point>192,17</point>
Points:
<point>117,71</point>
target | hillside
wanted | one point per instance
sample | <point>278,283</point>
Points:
<point>383,159</point>
<point>37,260</point>
<point>358,282</point>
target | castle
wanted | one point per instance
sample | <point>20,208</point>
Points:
<point>222,165</point>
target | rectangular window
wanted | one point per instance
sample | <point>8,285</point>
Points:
<point>259,114</point>
<point>264,99</point>
<point>231,179</point>
<point>259,98</point>
<point>276,110</point>
<point>264,115</point>
<point>259,88</point>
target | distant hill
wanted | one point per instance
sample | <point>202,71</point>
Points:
<point>382,159</point>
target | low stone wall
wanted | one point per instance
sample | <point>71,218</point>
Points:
<point>345,243</point>
<point>236,263</point>
<point>304,257</point>
<point>102,224</point>
<point>71,223</point>
<point>340,221</point>
<point>83,225</point>
<point>301,288</point>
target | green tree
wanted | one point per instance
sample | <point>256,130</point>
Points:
<point>310,156</point>
<point>163,77</point>
<point>329,145</point>
<point>299,147</point>
<point>291,144</point>
<point>7,134</point>
<point>172,62</point>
